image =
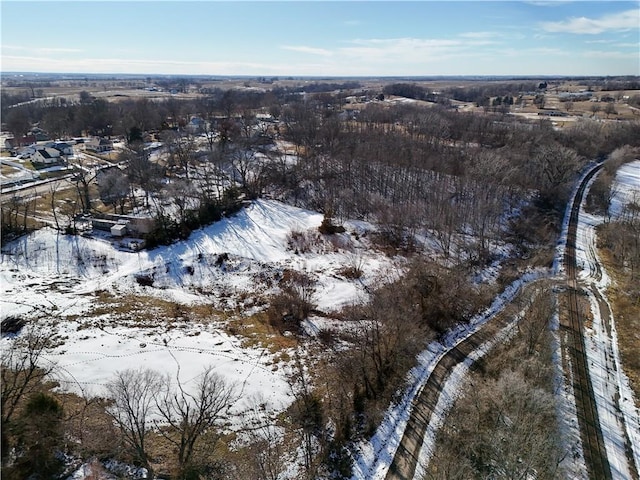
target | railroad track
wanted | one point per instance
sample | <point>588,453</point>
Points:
<point>593,446</point>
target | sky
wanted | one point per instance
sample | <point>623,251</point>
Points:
<point>325,38</point>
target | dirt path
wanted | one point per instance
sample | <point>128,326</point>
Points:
<point>424,404</point>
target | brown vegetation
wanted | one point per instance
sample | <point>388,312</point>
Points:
<point>503,425</point>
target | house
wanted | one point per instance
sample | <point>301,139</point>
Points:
<point>63,147</point>
<point>39,134</point>
<point>45,156</point>
<point>98,144</point>
<point>552,113</point>
<point>135,226</point>
<point>195,125</point>
<point>11,143</point>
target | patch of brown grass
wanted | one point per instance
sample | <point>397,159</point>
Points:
<point>626,311</point>
<point>147,309</point>
<point>256,331</point>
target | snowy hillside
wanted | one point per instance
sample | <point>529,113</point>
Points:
<point>232,263</point>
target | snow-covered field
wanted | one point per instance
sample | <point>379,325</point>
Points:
<point>58,279</point>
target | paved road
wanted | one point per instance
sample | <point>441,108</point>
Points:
<point>36,188</point>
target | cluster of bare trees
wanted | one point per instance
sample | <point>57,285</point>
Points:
<point>371,355</point>
<point>31,417</point>
<point>140,411</point>
<point>15,214</point>
<point>457,177</point>
<point>622,238</point>
<point>146,404</point>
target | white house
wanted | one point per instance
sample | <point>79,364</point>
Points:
<point>97,144</point>
<point>46,156</point>
<point>63,147</point>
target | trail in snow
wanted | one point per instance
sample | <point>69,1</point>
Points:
<point>374,456</point>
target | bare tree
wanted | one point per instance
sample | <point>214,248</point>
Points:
<point>503,429</point>
<point>142,172</point>
<point>182,150</point>
<point>83,177</point>
<point>307,413</point>
<point>113,188</point>
<point>610,109</point>
<point>17,121</point>
<point>568,106</point>
<point>265,450</point>
<point>537,318</point>
<point>11,215</point>
<point>189,415</point>
<point>134,394</point>
<point>53,188</point>
<point>22,369</point>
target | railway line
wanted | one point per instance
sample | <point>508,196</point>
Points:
<point>593,446</point>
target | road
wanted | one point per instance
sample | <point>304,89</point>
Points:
<point>36,188</point>
<point>40,187</point>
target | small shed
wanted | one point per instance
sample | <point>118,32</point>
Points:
<point>119,230</point>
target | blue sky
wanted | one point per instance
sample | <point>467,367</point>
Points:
<point>328,38</point>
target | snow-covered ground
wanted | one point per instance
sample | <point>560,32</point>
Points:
<point>617,409</point>
<point>57,279</point>
<point>620,423</point>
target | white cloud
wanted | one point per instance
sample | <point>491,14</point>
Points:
<point>310,50</point>
<point>409,50</point>
<point>42,50</point>
<point>626,20</point>
<point>479,35</point>
<point>127,65</point>
<point>612,54</point>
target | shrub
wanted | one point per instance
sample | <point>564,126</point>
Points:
<point>328,228</point>
<point>145,280</point>
<point>289,308</point>
<point>301,242</point>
